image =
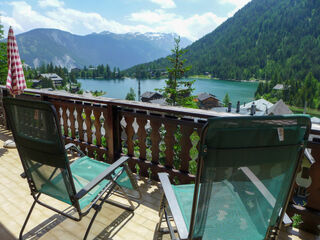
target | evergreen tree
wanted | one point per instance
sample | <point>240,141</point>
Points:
<point>3,58</point>
<point>226,100</point>
<point>178,91</point>
<point>131,95</point>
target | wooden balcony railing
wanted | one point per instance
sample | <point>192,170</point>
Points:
<point>157,138</point>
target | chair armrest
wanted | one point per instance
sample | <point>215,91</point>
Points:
<point>174,206</point>
<point>105,174</point>
<point>73,147</point>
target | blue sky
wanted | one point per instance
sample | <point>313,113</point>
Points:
<point>188,18</point>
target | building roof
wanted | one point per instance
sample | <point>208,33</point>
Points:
<point>150,94</point>
<point>52,76</point>
<point>261,105</point>
<point>278,87</point>
<point>279,108</point>
<point>315,120</point>
<point>161,101</point>
<point>234,110</point>
<point>203,96</point>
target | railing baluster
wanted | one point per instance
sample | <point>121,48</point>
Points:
<point>142,135</point>
<point>87,112</point>
<point>314,197</point>
<point>65,120</point>
<point>169,142</point>
<point>130,133</point>
<point>72,121</point>
<point>155,140</point>
<point>97,125</point>
<point>79,109</point>
<point>186,145</point>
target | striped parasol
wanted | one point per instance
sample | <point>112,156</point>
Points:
<point>16,82</point>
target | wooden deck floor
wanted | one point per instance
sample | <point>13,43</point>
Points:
<point>111,223</point>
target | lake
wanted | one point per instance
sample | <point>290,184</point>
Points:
<point>238,91</point>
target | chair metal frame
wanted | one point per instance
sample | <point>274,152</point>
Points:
<point>169,201</point>
<point>102,196</point>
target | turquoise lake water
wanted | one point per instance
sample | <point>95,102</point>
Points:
<point>238,91</point>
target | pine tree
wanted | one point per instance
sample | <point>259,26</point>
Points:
<point>226,100</point>
<point>177,91</point>
<point>131,95</point>
<point>3,58</point>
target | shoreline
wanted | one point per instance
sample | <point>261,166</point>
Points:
<point>234,80</point>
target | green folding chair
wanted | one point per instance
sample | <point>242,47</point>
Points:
<point>245,175</point>
<point>84,183</point>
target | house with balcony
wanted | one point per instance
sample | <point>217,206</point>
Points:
<point>208,101</point>
<point>57,81</point>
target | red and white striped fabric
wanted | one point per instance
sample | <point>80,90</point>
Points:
<point>16,82</point>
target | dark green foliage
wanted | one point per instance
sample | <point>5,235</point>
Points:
<point>264,40</point>
<point>226,100</point>
<point>46,83</point>
<point>3,58</point>
<point>178,91</point>
<point>33,73</point>
<point>100,72</point>
<point>97,93</point>
<point>297,220</point>
<point>304,92</point>
<point>131,95</point>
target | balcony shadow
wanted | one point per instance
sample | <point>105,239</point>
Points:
<point>151,193</point>
<point>5,233</point>
<point>47,225</point>
<point>107,233</point>
<point>5,134</point>
<point>114,227</point>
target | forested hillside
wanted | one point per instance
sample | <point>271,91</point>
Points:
<point>264,38</point>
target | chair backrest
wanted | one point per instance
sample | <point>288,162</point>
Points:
<point>36,131</point>
<point>245,173</point>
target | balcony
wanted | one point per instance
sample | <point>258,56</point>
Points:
<point>149,134</point>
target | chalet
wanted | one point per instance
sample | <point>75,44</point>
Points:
<point>55,78</point>
<point>149,96</point>
<point>208,101</point>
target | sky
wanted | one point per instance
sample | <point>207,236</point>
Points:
<point>188,18</point>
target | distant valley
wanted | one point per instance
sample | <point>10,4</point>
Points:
<point>42,46</point>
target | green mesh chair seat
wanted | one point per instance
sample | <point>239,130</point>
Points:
<point>84,170</point>
<point>229,220</point>
<point>245,174</point>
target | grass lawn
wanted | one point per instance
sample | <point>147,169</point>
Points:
<point>310,111</point>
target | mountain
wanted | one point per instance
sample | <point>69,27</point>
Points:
<point>264,39</point>
<point>69,50</point>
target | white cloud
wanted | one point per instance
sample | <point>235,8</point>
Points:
<point>165,3</point>
<point>28,18</point>
<point>24,18</point>
<point>238,4</point>
<point>192,27</point>
<point>151,17</point>
<point>8,21</point>
<point>50,3</point>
